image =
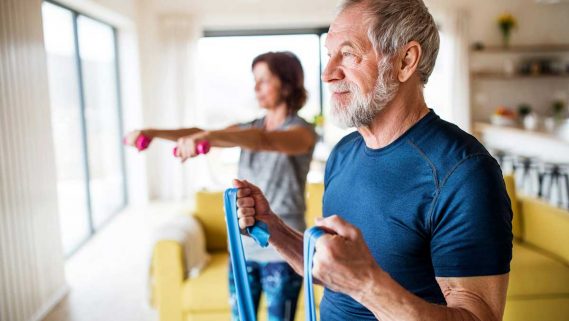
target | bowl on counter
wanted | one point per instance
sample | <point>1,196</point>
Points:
<point>500,120</point>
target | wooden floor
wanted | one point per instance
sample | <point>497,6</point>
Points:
<point>108,276</point>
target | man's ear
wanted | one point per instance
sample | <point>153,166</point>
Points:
<point>410,57</point>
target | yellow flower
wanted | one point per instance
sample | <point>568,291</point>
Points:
<point>507,21</point>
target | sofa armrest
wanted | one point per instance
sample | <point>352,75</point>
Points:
<point>168,273</point>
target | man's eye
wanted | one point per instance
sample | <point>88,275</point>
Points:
<point>347,54</point>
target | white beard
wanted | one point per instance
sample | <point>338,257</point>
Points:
<point>362,109</point>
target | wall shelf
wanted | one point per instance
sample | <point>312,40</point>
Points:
<point>543,48</point>
<point>504,76</point>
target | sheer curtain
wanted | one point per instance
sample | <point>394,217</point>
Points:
<point>448,90</point>
<point>173,105</point>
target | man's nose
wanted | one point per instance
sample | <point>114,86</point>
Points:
<point>332,71</point>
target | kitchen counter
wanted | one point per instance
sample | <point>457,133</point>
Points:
<point>546,146</point>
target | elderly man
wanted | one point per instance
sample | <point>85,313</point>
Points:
<point>419,217</point>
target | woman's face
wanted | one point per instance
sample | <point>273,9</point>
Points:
<point>267,86</point>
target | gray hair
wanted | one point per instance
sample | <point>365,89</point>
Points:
<point>394,23</point>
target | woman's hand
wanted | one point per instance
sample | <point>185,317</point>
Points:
<point>252,205</point>
<point>130,138</point>
<point>186,146</point>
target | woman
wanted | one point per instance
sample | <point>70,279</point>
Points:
<point>276,151</point>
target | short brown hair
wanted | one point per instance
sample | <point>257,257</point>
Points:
<point>287,67</point>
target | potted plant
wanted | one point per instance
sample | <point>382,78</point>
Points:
<point>558,108</point>
<point>507,22</point>
<point>558,114</point>
<point>528,118</point>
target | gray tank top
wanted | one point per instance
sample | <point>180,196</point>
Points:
<point>282,178</point>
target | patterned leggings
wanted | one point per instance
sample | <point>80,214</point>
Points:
<point>280,284</point>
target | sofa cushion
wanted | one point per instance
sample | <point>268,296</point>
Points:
<point>209,291</point>
<point>209,211</point>
<point>535,274</point>
<point>314,193</point>
<point>546,227</point>
<point>537,309</point>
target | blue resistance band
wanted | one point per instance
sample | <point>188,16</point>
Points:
<point>310,237</point>
<point>259,232</point>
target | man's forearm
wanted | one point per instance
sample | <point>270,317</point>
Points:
<point>389,301</point>
<point>289,243</point>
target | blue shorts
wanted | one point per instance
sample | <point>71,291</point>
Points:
<point>280,284</point>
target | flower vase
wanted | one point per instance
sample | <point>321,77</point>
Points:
<point>506,38</point>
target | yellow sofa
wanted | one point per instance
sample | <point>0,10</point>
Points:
<point>539,278</point>
<point>206,297</point>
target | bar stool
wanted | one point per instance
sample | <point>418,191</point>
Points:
<point>526,170</point>
<point>504,159</point>
<point>555,184</point>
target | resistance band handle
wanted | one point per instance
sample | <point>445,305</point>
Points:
<point>259,233</point>
<point>310,237</point>
<point>202,148</point>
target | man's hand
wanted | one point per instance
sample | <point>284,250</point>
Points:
<point>343,262</point>
<point>252,205</point>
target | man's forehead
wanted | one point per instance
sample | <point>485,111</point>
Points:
<point>348,25</point>
<point>354,33</point>
<point>350,19</point>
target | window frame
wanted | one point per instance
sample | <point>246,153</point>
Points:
<point>82,105</point>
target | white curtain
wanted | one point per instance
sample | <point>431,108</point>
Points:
<point>448,89</point>
<point>173,105</point>
<point>460,83</point>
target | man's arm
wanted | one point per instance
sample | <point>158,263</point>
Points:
<point>344,264</point>
<point>468,299</point>
<point>253,206</point>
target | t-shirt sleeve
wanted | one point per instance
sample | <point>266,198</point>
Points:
<point>248,124</point>
<point>300,122</point>
<point>471,222</point>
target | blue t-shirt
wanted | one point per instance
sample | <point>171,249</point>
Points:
<point>431,204</point>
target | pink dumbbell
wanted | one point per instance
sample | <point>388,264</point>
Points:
<point>202,148</point>
<point>141,143</point>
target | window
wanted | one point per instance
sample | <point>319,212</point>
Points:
<point>85,116</point>
<point>224,66</point>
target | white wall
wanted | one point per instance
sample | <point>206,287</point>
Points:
<point>31,258</point>
<point>538,23</point>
